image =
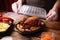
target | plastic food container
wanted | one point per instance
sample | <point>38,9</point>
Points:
<point>5,24</point>
<point>32,11</point>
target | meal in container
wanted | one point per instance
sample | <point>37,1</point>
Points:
<point>47,36</point>
<point>33,22</point>
<point>30,24</point>
<point>5,23</point>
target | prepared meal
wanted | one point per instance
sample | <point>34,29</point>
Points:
<point>3,26</point>
<point>5,23</point>
<point>47,36</point>
<point>29,24</point>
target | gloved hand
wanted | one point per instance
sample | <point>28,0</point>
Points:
<point>52,15</point>
<point>17,5</point>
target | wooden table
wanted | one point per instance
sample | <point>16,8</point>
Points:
<point>17,36</point>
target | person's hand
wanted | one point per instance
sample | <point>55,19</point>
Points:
<point>52,15</point>
<point>16,6</point>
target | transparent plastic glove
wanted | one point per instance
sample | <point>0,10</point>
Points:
<point>52,15</point>
<point>16,6</point>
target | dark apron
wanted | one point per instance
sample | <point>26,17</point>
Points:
<point>46,4</point>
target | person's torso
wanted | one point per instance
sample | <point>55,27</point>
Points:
<point>46,4</point>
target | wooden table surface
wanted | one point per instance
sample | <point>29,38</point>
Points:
<point>17,36</point>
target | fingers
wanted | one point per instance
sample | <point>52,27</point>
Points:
<point>48,14</point>
<point>52,16</point>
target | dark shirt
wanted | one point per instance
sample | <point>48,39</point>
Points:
<point>46,4</point>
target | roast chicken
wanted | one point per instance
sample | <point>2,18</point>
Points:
<point>29,24</point>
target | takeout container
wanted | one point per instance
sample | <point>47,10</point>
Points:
<point>32,11</point>
<point>48,35</point>
<point>6,21</point>
<point>41,29</point>
<point>28,10</point>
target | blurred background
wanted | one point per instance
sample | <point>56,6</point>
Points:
<point>5,5</point>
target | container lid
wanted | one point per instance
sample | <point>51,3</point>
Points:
<point>32,11</point>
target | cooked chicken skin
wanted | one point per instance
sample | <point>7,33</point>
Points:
<point>31,23</point>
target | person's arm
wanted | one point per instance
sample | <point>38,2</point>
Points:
<point>53,13</point>
<point>57,5</point>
